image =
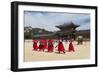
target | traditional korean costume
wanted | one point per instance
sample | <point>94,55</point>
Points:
<point>50,46</point>
<point>35,46</point>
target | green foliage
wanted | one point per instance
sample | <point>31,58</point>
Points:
<point>28,35</point>
<point>30,32</point>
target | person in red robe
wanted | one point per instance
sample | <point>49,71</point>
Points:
<point>50,46</point>
<point>35,46</point>
<point>71,47</point>
<point>41,45</point>
<point>61,47</point>
<point>45,43</point>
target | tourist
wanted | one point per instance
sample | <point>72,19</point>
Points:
<point>80,40</point>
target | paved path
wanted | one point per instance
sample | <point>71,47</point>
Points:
<point>81,52</point>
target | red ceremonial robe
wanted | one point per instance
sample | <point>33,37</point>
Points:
<point>50,46</point>
<point>45,43</point>
<point>35,46</point>
<point>41,45</point>
<point>71,47</point>
<point>61,47</point>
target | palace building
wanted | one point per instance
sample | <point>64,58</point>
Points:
<point>67,30</point>
<point>67,27</point>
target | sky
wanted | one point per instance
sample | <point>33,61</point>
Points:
<point>48,20</point>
